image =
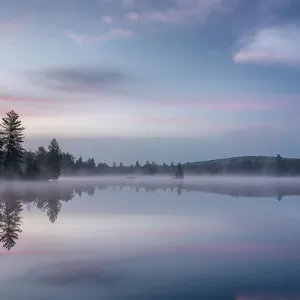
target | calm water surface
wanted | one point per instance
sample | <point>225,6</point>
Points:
<point>237,240</point>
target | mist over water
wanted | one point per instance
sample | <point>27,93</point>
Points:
<point>151,238</point>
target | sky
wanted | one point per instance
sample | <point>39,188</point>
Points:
<point>163,80</point>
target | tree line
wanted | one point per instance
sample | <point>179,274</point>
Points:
<point>51,162</point>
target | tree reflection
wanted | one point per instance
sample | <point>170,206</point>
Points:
<point>51,206</point>
<point>50,197</point>
<point>10,220</point>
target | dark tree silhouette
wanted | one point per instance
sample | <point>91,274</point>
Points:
<point>54,160</point>
<point>32,170</point>
<point>12,139</point>
<point>179,171</point>
<point>281,167</point>
<point>1,151</point>
<point>10,222</point>
<point>68,163</point>
<point>41,155</point>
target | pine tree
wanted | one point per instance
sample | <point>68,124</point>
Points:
<point>179,171</point>
<point>12,139</point>
<point>54,160</point>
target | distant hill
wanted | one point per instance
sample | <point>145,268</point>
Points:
<point>240,159</point>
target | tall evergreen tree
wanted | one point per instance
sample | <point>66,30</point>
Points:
<point>54,160</point>
<point>12,139</point>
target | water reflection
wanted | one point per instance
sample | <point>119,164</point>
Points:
<point>10,219</point>
<point>50,196</point>
<point>137,240</point>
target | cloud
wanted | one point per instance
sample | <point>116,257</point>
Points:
<point>13,24</point>
<point>112,34</point>
<point>162,120</point>
<point>179,10</point>
<point>83,79</point>
<point>234,104</point>
<point>271,45</point>
<point>107,19</point>
<point>9,98</point>
<point>132,16</point>
<point>10,29</point>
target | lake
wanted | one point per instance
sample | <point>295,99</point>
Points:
<point>151,238</point>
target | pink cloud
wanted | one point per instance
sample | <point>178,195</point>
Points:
<point>160,120</point>
<point>107,19</point>
<point>112,34</point>
<point>231,105</point>
<point>13,24</point>
<point>256,57</point>
<point>11,98</point>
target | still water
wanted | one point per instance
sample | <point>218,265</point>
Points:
<point>151,239</point>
